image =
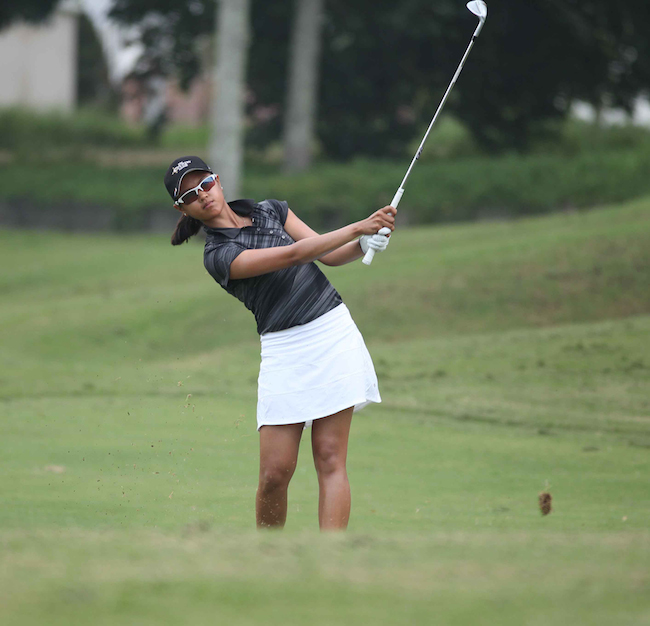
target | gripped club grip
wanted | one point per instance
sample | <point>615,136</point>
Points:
<point>369,256</point>
<point>367,259</point>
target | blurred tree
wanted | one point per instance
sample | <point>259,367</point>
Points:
<point>93,83</point>
<point>227,108</point>
<point>27,10</point>
<point>611,45</point>
<point>385,65</point>
<point>301,106</point>
<point>382,63</point>
<point>171,33</point>
<point>268,69</point>
<point>536,59</point>
<point>391,63</point>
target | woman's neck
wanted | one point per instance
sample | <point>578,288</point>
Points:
<point>227,218</point>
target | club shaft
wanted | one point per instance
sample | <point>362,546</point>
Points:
<point>400,192</point>
<point>437,114</point>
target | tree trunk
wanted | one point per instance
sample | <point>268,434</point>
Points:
<point>227,106</point>
<point>300,115</point>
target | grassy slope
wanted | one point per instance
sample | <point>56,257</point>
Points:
<point>509,355</point>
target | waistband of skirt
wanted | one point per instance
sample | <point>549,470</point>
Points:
<point>323,324</point>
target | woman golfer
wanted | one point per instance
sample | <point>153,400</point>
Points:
<point>315,367</point>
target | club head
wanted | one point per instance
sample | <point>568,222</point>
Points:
<point>478,8</point>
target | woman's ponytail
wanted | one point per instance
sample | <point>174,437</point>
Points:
<point>185,228</point>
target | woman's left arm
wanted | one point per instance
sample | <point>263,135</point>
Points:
<point>345,254</point>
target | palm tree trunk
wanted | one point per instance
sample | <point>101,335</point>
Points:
<point>303,85</point>
<point>227,106</point>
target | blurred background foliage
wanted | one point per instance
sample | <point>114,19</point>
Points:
<point>115,165</point>
<point>506,146</point>
<point>29,10</point>
<point>385,64</point>
<point>94,87</point>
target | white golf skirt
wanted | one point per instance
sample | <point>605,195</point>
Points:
<point>314,370</point>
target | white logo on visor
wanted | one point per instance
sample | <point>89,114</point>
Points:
<point>181,165</point>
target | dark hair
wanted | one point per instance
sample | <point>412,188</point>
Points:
<point>185,228</point>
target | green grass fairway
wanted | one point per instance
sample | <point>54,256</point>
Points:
<point>512,357</point>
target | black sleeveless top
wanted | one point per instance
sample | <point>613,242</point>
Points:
<point>279,300</point>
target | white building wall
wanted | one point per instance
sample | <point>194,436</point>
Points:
<point>39,64</point>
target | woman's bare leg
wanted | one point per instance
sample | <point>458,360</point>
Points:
<point>329,440</point>
<point>278,457</point>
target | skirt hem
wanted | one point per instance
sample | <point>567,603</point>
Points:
<point>308,422</point>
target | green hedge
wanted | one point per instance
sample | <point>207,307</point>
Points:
<point>333,194</point>
<point>577,166</point>
<point>27,133</point>
<point>462,189</point>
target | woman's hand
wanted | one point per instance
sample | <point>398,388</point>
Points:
<point>383,218</point>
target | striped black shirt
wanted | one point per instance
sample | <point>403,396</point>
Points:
<point>279,300</point>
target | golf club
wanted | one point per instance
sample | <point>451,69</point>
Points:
<point>478,8</point>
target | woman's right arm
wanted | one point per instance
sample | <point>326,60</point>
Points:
<point>257,262</point>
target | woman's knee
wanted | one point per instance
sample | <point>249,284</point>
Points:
<point>276,476</point>
<point>329,457</point>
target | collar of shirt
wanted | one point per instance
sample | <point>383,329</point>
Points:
<point>243,207</point>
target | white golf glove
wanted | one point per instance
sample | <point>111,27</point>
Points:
<point>376,242</point>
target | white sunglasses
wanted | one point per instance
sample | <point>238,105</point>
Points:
<point>192,195</point>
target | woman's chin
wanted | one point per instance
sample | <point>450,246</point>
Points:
<point>209,215</point>
<point>211,210</point>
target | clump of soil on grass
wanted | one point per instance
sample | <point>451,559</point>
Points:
<point>545,502</point>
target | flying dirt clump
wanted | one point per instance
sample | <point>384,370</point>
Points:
<point>545,502</point>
